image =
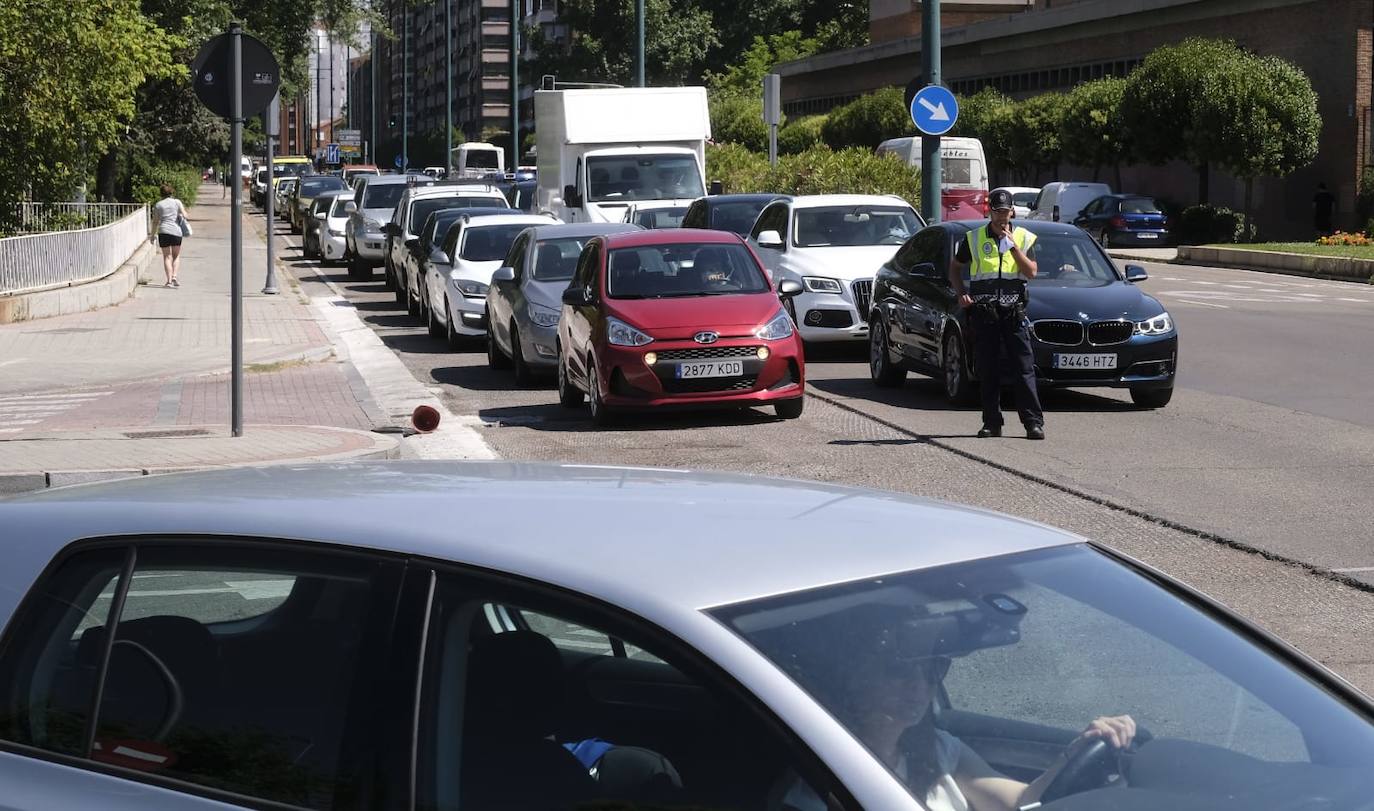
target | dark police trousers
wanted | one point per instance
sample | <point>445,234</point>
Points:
<point>999,333</point>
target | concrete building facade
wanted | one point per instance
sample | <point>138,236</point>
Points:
<point>1026,48</point>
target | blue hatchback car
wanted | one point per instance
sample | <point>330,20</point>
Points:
<point>1125,219</point>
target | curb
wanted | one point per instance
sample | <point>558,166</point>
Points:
<point>1340,268</point>
<point>109,290</point>
<point>29,481</point>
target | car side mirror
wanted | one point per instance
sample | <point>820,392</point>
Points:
<point>770,239</point>
<point>350,207</point>
<point>412,243</point>
<point>787,288</point>
<point>389,229</point>
<point>439,257</point>
<point>1054,213</point>
<point>1136,273</point>
<point>571,197</point>
<point>320,215</point>
<point>503,274</point>
<point>717,187</point>
<point>577,297</point>
<point>923,269</point>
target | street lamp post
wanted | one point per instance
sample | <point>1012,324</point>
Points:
<point>448,88</point>
<point>514,84</point>
<point>405,88</point>
<point>639,48</point>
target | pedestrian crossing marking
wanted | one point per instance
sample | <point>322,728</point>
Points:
<point>30,409</point>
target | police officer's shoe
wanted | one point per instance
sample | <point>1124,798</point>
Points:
<point>1035,432</point>
<point>990,430</point>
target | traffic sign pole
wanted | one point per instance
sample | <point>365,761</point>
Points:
<point>269,285</point>
<point>236,228</point>
<point>930,144</point>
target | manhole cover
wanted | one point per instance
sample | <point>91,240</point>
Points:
<point>162,434</point>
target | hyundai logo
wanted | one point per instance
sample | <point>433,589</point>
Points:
<point>706,337</point>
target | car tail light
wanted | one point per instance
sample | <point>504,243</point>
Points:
<point>1118,221</point>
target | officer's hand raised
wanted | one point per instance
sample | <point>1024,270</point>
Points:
<point>965,300</point>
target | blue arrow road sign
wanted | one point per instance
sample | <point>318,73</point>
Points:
<point>331,153</point>
<point>399,161</point>
<point>934,110</point>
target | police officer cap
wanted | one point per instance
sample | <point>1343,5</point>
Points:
<point>1000,198</point>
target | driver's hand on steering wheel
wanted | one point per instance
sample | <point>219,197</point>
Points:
<point>1117,730</point>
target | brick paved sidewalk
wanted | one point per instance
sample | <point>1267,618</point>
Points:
<point>103,390</point>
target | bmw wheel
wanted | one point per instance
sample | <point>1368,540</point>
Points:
<point>1152,398</point>
<point>958,388</point>
<point>880,365</point>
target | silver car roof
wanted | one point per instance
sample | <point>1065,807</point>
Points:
<point>582,229</point>
<point>650,540</point>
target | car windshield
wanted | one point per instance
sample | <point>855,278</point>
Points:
<point>960,172</point>
<point>660,217</point>
<point>643,177</point>
<point>683,270</point>
<point>340,207</point>
<point>481,159</point>
<point>556,259</point>
<point>736,217</point>
<point>383,195</point>
<point>421,209</point>
<point>1024,198</point>
<point>313,186</point>
<point>834,226</point>
<point>1068,258</point>
<point>1013,656</point>
<point>490,243</point>
<point>1139,205</point>
<point>292,168</point>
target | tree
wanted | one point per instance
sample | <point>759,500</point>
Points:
<point>989,116</point>
<point>738,119</point>
<point>677,37</point>
<point>745,76</point>
<point>1091,131</point>
<point>868,120</point>
<point>1259,119</point>
<point>68,75</point>
<point>1033,141</point>
<point>1163,94</point>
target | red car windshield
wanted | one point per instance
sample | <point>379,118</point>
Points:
<point>683,270</point>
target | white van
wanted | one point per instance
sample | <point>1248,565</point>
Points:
<point>477,160</point>
<point>963,173</point>
<point>1061,201</point>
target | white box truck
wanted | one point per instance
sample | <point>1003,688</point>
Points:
<point>599,150</point>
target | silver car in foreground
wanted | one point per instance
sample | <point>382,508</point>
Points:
<point>526,296</point>
<point>523,636</point>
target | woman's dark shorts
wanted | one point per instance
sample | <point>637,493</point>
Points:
<point>168,240</point>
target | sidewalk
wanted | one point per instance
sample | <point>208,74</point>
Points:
<point>144,386</point>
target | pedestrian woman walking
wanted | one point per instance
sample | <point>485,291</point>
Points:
<point>170,214</point>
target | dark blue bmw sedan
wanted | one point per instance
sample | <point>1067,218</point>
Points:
<point>1090,324</point>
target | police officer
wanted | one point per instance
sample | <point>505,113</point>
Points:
<point>998,264</point>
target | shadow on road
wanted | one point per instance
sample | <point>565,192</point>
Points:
<point>554,417</point>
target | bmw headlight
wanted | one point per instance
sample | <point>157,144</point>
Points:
<point>1158,325</point>
<point>543,316</point>
<point>621,334</point>
<point>471,289</point>
<point>777,329</point>
<point>820,284</point>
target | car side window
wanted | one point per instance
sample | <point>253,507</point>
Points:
<point>451,239</point>
<point>516,257</point>
<point>587,265</point>
<point>773,218</point>
<point>239,668</point>
<point>536,714</point>
<point>695,216</point>
<point>928,245</point>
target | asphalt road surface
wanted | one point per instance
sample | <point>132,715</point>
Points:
<point>1252,485</point>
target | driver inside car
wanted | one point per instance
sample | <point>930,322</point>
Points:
<point>885,697</point>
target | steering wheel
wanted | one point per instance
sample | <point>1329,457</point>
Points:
<point>175,701</point>
<point>1088,768</point>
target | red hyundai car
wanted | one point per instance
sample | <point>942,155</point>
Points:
<point>676,318</point>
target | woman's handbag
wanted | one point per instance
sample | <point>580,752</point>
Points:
<point>184,226</point>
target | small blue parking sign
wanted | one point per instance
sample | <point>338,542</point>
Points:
<point>331,153</point>
<point>400,161</point>
<point>934,110</point>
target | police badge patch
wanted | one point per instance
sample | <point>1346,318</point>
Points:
<point>987,249</point>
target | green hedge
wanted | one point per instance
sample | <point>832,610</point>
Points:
<point>818,170</point>
<point>800,134</point>
<point>738,119</point>
<point>868,120</point>
<point>145,182</point>
<point>1208,224</point>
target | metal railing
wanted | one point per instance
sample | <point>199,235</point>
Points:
<point>42,218</point>
<point>39,261</point>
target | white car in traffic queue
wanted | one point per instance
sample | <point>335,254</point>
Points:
<point>330,240</point>
<point>475,247</point>
<point>414,207</point>
<point>833,245</point>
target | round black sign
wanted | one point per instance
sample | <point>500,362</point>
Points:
<point>261,75</point>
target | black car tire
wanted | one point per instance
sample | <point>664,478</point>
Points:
<point>397,287</point>
<point>602,414</point>
<point>958,387</point>
<point>524,375</point>
<point>1151,398</point>
<point>496,359</point>
<point>789,409</point>
<point>454,339</point>
<point>436,330</point>
<point>413,305</point>
<point>388,282</point>
<point>569,396</point>
<point>884,372</point>
<point>357,269</point>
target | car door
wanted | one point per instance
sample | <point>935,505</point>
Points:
<point>931,296</point>
<point>546,699</point>
<point>773,218</point>
<point>575,324</point>
<point>892,290</point>
<point>241,673</point>
<point>501,302</point>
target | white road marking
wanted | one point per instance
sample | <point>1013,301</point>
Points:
<point>1355,300</point>
<point>12,361</point>
<point>42,406</point>
<point>1204,304</point>
<point>20,422</point>
<point>10,430</point>
<point>54,396</point>
<point>1355,569</point>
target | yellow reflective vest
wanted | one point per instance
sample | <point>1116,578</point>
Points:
<point>993,274</point>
